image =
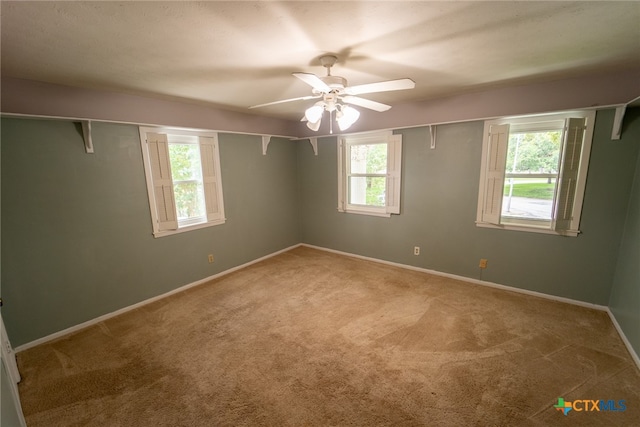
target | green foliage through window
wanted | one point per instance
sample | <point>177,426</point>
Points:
<point>186,171</point>
<point>534,152</point>
<point>368,159</point>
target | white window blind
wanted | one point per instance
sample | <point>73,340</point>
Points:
<point>210,168</point>
<point>163,197</point>
<point>571,155</point>
<point>496,165</point>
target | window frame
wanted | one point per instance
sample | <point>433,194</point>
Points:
<point>208,145</point>
<point>393,175</point>
<point>569,227</point>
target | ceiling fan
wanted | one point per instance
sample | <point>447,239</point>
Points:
<point>334,93</point>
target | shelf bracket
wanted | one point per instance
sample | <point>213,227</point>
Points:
<point>266,139</point>
<point>86,132</point>
<point>314,144</point>
<point>432,133</point>
<point>617,122</point>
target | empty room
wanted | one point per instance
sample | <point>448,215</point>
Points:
<point>312,213</point>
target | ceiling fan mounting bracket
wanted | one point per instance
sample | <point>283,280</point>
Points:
<point>328,61</point>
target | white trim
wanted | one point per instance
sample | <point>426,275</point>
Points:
<point>465,279</point>
<point>154,125</point>
<point>626,342</point>
<point>528,229</point>
<point>183,136</point>
<point>15,396</point>
<point>185,228</point>
<point>616,129</point>
<point>10,366</point>
<point>364,211</point>
<point>393,174</point>
<point>314,144</point>
<point>540,121</point>
<point>468,120</point>
<point>104,317</point>
<point>266,139</point>
<point>8,356</point>
<point>318,136</point>
<point>86,134</point>
<point>432,134</point>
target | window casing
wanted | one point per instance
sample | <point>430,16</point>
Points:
<point>182,169</point>
<point>369,173</point>
<point>534,171</point>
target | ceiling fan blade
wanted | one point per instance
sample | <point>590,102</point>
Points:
<point>301,98</point>
<point>313,81</point>
<point>366,103</point>
<point>399,84</point>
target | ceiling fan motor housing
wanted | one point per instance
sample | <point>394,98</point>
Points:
<point>336,83</point>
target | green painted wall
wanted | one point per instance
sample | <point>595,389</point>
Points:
<point>625,295</point>
<point>77,242</point>
<point>76,227</point>
<point>439,202</point>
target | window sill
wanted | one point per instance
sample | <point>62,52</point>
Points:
<point>567,233</point>
<point>164,233</point>
<point>361,212</point>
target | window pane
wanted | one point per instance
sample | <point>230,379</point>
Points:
<point>368,158</point>
<point>531,153</point>
<point>534,152</point>
<point>185,162</point>
<point>189,200</point>
<point>528,198</point>
<point>367,190</point>
<point>186,171</point>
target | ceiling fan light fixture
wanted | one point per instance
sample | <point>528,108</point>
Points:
<point>314,113</point>
<point>314,126</point>
<point>334,91</point>
<point>346,117</point>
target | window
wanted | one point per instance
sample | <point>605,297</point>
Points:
<point>183,179</point>
<point>369,173</point>
<point>534,171</point>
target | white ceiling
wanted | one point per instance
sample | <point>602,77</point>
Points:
<point>236,54</point>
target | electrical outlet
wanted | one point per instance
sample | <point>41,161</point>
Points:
<point>483,263</point>
<point>210,257</point>
<point>416,250</point>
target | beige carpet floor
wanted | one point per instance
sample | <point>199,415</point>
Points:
<point>314,338</point>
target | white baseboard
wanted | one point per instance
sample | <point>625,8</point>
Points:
<point>627,343</point>
<point>604,308</point>
<point>466,279</point>
<point>104,317</point>
<point>83,325</point>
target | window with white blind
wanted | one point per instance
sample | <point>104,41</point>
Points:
<point>369,173</point>
<point>534,171</point>
<point>182,168</point>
